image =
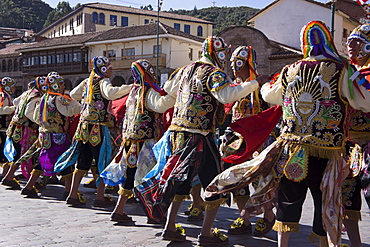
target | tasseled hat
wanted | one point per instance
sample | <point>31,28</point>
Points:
<point>245,55</point>
<point>317,40</point>
<point>215,49</point>
<point>362,33</point>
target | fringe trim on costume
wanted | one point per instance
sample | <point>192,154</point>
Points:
<point>80,172</point>
<point>286,226</point>
<point>37,172</point>
<point>317,239</point>
<point>320,152</point>
<point>360,136</point>
<point>181,198</point>
<point>64,177</point>
<point>125,192</point>
<point>352,215</point>
<point>242,199</point>
<point>209,205</point>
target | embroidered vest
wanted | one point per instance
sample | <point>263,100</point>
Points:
<point>195,107</point>
<point>139,122</point>
<point>93,114</point>
<point>313,110</point>
<point>245,107</point>
<point>359,125</point>
<point>19,119</point>
<point>96,111</point>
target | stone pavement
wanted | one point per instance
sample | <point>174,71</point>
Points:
<point>48,221</point>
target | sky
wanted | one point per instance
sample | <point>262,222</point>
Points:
<point>175,4</point>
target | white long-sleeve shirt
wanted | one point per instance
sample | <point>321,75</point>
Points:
<point>108,91</point>
<point>273,93</point>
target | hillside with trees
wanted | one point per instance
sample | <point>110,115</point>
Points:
<point>223,16</point>
<point>28,14</point>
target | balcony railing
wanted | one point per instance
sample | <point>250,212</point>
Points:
<point>62,68</point>
<point>125,61</point>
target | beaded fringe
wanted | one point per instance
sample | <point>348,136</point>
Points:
<point>209,205</point>
<point>180,198</point>
<point>286,226</point>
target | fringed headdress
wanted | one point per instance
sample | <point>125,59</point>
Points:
<point>215,49</point>
<point>141,71</point>
<point>99,67</point>
<point>245,55</point>
<point>362,32</point>
<point>6,89</point>
<point>52,87</point>
<point>317,40</point>
<point>242,56</point>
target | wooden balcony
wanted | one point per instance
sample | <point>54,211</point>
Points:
<point>62,68</point>
<point>125,62</point>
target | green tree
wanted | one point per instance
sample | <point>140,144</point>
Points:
<point>29,14</point>
<point>63,8</point>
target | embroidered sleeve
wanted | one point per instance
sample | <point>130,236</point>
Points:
<point>217,80</point>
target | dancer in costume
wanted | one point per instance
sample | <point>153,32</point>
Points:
<point>308,152</point>
<point>245,56</point>
<point>53,139</point>
<point>358,47</point>
<point>198,92</point>
<point>140,131</point>
<point>7,89</point>
<point>22,131</point>
<point>92,137</point>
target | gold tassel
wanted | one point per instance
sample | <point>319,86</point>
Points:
<point>352,215</point>
<point>37,172</point>
<point>325,153</point>
<point>209,205</point>
<point>286,226</point>
<point>80,172</point>
<point>125,192</point>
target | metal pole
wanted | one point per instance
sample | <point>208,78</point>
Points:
<point>332,18</point>
<point>157,50</point>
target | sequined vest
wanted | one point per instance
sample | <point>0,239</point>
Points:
<point>56,122</point>
<point>314,113</point>
<point>19,119</point>
<point>139,122</point>
<point>195,107</point>
<point>246,107</point>
<point>359,125</point>
<point>96,111</point>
